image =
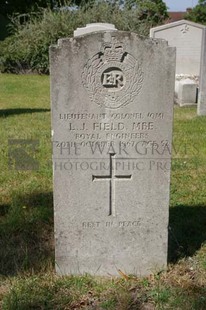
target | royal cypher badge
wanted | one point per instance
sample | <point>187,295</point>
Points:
<point>112,77</point>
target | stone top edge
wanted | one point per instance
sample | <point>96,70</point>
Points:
<point>154,41</point>
<point>93,32</point>
<point>174,24</point>
<point>100,24</point>
<point>93,27</point>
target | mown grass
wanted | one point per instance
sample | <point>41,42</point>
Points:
<point>28,280</point>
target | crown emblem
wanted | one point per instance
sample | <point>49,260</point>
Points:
<point>113,51</point>
<point>112,77</point>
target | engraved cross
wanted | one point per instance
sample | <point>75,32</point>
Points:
<point>112,177</point>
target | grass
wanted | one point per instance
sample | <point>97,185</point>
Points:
<point>27,277</point>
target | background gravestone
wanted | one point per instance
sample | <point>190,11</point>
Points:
<point>93,27</point>
<point>187,37</point>
<point>112,111</point>
<point>201,107</point>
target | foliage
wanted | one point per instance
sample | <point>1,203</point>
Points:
<point>24,6</point>
<point>27,49</point>
<point>202,2</point>
<point>9,7</point>
<point>155,11</point>
<point>3,27</point>
<point>198,13</point>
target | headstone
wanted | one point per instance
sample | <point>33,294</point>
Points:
<point>112,107</point>
<point>186,36</point>
<point>93,27</point>
<point>186,92</point>
<point>201,106</point>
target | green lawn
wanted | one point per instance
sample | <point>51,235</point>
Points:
<point>27,277</point>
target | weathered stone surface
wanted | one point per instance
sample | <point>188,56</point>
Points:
<point>112,103</point>
<point>186,36</point>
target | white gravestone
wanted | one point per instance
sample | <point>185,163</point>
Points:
<point>112,110</point>
<point>201,106</point>
<point>186,92</point>
<point>93,27</point>
<point>187,37</point>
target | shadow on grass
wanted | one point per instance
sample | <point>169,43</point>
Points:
<point>26,233</point>
<point>187,231</point>
<point>4,209</point>
<point>9,112</point>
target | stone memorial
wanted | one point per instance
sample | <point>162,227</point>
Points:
<point>186,92</point>
<point>93,27</point>
<point>201,106</point>
<point>187,37</point>
<point>112,109</point>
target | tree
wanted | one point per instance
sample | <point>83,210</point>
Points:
<point>8,7</point>
<point>154,11</point>
<point>201,2</point>
<point>198,13</point>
